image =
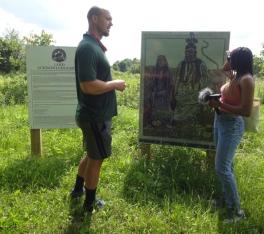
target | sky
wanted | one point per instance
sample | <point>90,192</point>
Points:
<point>66,21</point>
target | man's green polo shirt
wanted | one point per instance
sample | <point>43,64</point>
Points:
<point>90,64</point>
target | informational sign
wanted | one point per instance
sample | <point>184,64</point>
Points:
<point>176,66</point>
<point>51,86</point>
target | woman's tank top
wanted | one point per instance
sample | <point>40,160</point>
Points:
<point>231,94</point>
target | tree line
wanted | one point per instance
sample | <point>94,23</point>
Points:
<point>13,49</point>
<point>13,58</point>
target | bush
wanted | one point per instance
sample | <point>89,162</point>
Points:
<point>13,89</point>
<point>130,97</point>
<point>259,90</point>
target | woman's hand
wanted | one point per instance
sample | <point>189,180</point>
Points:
<point>214,103</point>
<point>228,70</point>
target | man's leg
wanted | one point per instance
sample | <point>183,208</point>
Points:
<point>78,187</point>
<point>82,166</point>
<point>98,140</point>
<point>91,178</point>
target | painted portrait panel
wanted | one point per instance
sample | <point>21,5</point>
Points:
<point>175,67</point>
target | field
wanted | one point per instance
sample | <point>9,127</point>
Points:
<point>168,194</point>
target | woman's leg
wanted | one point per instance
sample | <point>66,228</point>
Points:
<point>230,132</point>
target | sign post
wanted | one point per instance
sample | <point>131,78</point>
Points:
<point>36,142</point>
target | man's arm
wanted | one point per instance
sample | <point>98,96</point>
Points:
<point>97,87</point>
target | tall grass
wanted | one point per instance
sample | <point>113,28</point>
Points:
<point>259,90</point>
<point>168,194</point>
<point>130,97</point>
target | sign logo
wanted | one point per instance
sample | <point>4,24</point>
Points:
<point>58,55</point>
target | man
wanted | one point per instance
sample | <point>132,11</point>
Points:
<point>96,103</point>
<point>191,76</point>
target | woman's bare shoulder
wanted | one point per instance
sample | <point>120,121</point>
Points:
<point>247,80</point>
<point>247,77</point>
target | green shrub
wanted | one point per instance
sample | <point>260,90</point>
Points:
<point>13,89</point>
<point>130,97</point>
<point>259,90</point>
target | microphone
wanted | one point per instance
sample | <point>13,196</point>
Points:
<point>205,95</point>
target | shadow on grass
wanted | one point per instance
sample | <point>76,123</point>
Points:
<point>171,172</point>
<point>181,175</point>
<point>34,173</point>
<point>250,225</point>
<point>80,223</point>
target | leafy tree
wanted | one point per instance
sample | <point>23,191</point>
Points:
<point>258,66</point>
<point>257,61</point>
<point>135,68</point>
<point>12,54</point>
<point>123,66</point>
<point>12,49</point>
<point>127,65</point>
<point>115,66</point>
<point>44,39</point>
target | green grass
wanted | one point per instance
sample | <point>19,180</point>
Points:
<point>168,194</point>
<point>259,90</point>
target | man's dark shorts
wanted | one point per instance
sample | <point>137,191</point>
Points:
<point>97,138</point>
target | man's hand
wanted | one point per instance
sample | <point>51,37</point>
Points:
<point>97,86</point>
<point>120,85</point>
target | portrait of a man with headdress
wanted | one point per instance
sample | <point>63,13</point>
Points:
<point>191,76</point>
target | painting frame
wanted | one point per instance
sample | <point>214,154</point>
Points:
<point>190,123</point>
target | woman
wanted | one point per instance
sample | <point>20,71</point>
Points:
<point>161,78</point>
<point>236,101</point>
